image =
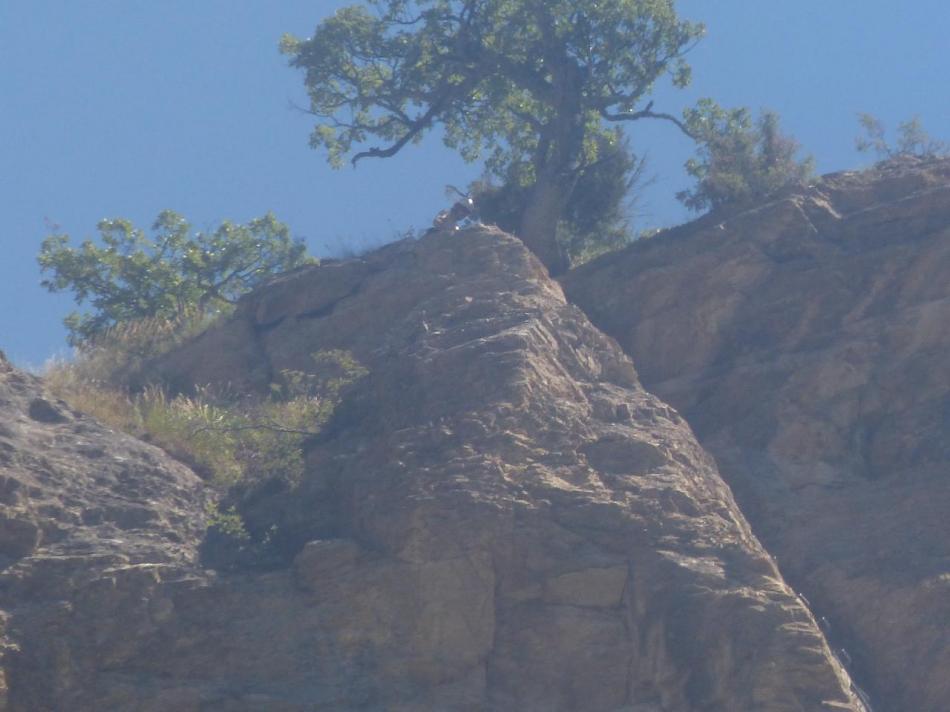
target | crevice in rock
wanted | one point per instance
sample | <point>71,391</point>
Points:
<point>846,650</point>
<point>327,309</point>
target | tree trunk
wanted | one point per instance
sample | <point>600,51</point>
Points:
<point>559,147</point>
<point>539,222</point>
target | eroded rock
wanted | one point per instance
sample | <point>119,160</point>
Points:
<point>806,342</point>
<point>497,518</point>
<point>91,523</point>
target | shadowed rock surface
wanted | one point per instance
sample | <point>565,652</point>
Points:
<point>806,342</point>
<point>498,517</point>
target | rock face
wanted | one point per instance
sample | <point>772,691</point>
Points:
<point>806,342</point>
<point>498,517</point>
<point>96,528</point>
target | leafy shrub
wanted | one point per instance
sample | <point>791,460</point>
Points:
<point>739,160</point>
<point>912,139</point>
<point>228,523</point>
<point>231,441</point>
<point>127,276</point>
<point>236,443</point>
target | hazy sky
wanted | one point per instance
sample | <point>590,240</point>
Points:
<point>127,107</point>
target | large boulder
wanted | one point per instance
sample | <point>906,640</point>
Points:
<point>498,517</point>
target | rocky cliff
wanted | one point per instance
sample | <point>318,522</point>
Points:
<point>806,341</point>
<point>98,536</point>
<point>498,517</point>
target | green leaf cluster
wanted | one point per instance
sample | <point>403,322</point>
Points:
<point>496,74</point>
<point>227,522</point>
<point>127,275</point>
<point>739,160</point>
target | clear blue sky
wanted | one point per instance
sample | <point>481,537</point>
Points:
<point>126,107</point>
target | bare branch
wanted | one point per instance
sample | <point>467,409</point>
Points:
<point>416,126</point>
<point>646,113</point>
<point>414,129</point>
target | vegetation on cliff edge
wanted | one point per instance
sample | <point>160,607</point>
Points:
<point>127,276</point>
<point>533,87</point>
<point>238,442</point>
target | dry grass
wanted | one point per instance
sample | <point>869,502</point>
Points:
<point>228,441</point>
<point>234,443</point>
<point>107,404</point>
<point>118,356</point>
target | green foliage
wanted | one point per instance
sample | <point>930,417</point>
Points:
<point>528,86</point>
<point>912,139</point>
<point>595,217</point>
<point>99,379</point>
<point>739,160</point>
<point>332,370</point>
<point>128,276</point>
<point>237,443</point>
<point>233,441</point>
<point>193,430</point>
<point>228,523</point>
<point>487,71</point>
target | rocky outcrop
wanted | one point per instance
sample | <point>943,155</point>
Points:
<point>498,517</point>
<point>806,342</point>
<point>96,530</point>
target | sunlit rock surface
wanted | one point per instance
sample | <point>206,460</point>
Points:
<point>807,342</point>
<point>498,517</point>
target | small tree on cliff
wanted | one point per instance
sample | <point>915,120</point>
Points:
<point>912,140</point>
<point>127,276</point>
<point>531,85</point>
<point>739,160</point>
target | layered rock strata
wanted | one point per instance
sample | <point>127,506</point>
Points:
<point>98,532</point>
<point>498,517</point>
<point>806,342</point>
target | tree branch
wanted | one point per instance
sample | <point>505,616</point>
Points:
<point>531,119</point>
<point>416,126</point>
<point>647,113</point>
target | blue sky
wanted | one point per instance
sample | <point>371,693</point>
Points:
<point>127,107</point>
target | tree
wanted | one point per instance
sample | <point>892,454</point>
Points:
<point>131,276</point>
<point>912,139</point>
<point>739,160</point>
<point>531,85</point>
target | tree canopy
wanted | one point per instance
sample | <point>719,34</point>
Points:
<point>530,86</point>
<point>128,275</point>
